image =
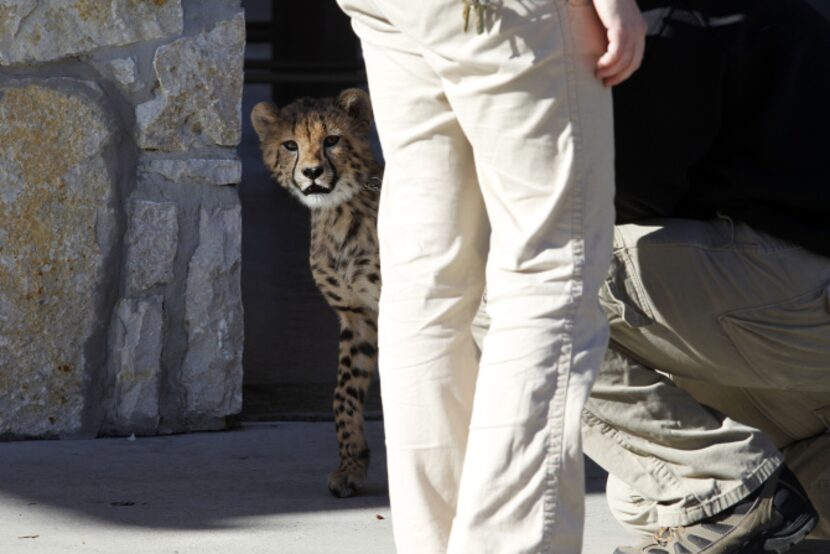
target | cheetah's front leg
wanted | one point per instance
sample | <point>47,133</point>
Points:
<point>358,359</point>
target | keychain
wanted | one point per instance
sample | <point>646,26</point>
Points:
<point>479,6</point>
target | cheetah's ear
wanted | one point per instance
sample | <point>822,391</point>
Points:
<point>264,117</point>
<point>357,104</point>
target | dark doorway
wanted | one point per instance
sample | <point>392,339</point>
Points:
<point>294,49</point>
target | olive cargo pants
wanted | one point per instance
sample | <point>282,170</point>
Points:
<point>736,320</point>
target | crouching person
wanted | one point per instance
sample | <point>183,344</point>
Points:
<point>712,409</point>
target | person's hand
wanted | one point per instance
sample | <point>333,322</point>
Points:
<point>626,32</point>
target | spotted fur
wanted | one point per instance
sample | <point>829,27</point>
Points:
<point>319,150</point>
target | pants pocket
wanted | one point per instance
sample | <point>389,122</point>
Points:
<point>621,295</point>
<point>824,415</point>
<point>787,344</point>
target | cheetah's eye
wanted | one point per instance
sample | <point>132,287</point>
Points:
<point>331,140</point>
<point>290,145</point>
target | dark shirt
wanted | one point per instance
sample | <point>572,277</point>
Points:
<point>729,113</point>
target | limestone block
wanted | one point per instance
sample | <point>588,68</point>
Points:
<point>198,102</point>
<point>136,339</point>
<point>125,72</point>
<point>55,193</point>
<point>44,30</point>
<point>203,171</point>
<point>212,370</point>
<point>152,241</point>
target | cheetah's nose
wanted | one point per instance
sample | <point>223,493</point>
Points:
<point>313,172</point>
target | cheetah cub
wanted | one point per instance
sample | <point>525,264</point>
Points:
<point>319,150</point>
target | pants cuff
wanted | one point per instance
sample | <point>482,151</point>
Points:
<point>702,508</point>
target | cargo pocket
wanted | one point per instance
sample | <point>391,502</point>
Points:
<point>786,344</point>
<point>622,295</point>
<point>824,415</point>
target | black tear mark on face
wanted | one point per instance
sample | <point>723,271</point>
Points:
<point>335,177</point>
<point>294,169</point>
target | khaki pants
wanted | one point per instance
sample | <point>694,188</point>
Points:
<point>499,168</point>
<point>738,323</point>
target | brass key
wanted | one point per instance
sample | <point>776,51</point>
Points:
<point>479,6</point>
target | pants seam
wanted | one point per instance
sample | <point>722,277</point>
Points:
<point>556,410</point>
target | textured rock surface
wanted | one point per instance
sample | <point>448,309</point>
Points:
<point>199,99</point>
<point>136,338</point>
<point>43,30</point>
<point>196,170</point>
<point>152,241</point>
<point>54,193</point>
<point>125,73</point>
<point>212,369</point>
<point>120,308</point>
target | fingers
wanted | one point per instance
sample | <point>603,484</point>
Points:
<point>626,33</point>
<point>622,58</point>
<point>609,62</point>
<point>616,60</point>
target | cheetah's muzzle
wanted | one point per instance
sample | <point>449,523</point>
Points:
<point>315,189</point>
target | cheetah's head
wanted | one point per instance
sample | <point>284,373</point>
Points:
<point>318,149</point>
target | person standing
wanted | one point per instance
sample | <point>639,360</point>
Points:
<point>499,151</point>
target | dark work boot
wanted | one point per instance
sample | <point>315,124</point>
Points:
<point>774,518</point>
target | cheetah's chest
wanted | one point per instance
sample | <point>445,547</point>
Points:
<point>344,256</point>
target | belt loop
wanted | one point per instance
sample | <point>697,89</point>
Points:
<point>724,217</point>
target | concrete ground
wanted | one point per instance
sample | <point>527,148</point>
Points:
<point>258,489</point>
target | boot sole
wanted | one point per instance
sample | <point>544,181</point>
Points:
<point>778,544</point>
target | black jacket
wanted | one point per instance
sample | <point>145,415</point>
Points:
<point>730,113</point>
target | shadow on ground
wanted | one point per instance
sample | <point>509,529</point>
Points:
<point>197,481</point>
<point>260,489</point>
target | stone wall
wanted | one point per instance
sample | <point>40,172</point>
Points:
<point>120,305</point>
